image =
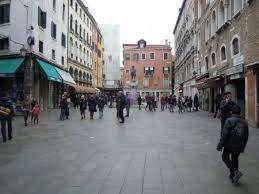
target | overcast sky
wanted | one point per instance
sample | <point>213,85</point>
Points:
<point>152,20</point>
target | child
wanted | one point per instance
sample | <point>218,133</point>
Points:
<point>36,113</point>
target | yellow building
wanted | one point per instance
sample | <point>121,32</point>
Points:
<point>98,57</point>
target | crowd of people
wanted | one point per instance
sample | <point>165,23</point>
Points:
<point>234,130</point>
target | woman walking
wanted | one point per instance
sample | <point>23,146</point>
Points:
<point>82,106</point>
<point>92,106</point>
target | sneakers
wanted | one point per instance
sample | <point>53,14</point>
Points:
<point>236,176</point>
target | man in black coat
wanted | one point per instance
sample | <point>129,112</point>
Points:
<point>233,139</point>
<point>196,102</point>
<point>225,108</point>
<point>120,105</point>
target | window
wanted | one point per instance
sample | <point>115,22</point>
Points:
<point>54,4</point>
<point>206,63</point>
<point>207,30</point>
<point>87,38</point>
<point>53,54</point>
<point>63,12</point>
<point>4,13</point>
<point>71,3</point>
<point>4,44</point>
<point>53,30</point>
<point>76,7</point>
<point>143,56</point>
<point>71,22</point>
<point>42,18</point>
<point>72,55</point>
<point>165,56</point>
<point>80,13</point>
<point>237,6</point>
<point>62,60</point>
<point>221,14</point>
<point>223,53</point>
<point>76,30</point>
<point>63,40</point>
<point>127,56</point>
<point>135,56</point>
<point>40,46</point>
<point>213,59</point>
<point>213,23</point>
<point>152,56</point>
<point>84,35</point>
<point>166,83</point>
<point>80,31</point>
<point>88,22</point>
<point>166,70</point>
<point>235,46</point>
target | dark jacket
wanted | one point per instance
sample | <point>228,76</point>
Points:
<point>92,104</point>
<point>101,102</point>
<point>120,102</point>
<point>82,104</point>
<point>139,100</point>
<point>6,103</point>
<point>234,135</point>
<point>196,101</point>
<point>225,108</point>
<point>63,103</point>
<point>218,100</point>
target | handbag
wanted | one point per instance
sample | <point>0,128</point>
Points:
<point>5,111</point>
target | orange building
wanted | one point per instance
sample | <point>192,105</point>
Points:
<point>153,64</point>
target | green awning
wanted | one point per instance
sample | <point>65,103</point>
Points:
<point>8,67</point>
<point>50,71</point>
<point>67,79</point>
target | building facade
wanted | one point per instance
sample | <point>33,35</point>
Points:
<point>153,64</point>
<point>227,53</point>
<point>111,36</point>
<point>80,52</point>
<point>39,29</point>
<point>98,57</point>
<point>186,49</point>
<point>43,46</point>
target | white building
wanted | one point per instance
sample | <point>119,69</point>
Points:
<point>80,57</point>
<point>112,45</point>
<point>46,21</point>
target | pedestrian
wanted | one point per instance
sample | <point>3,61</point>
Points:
<point>147,99</point>
<point>233,139</point>
<point>180,105</point>
<point>101,104</point>
<point>190,103</point>
<point>196,102</point>
<point>63,106</point>
<point>68,99</point>
<point>120,105</point>
<point>33,103</point>
<point>92,103</point>
<point>82,106</point>
<point>225,108</point>
<point>170,102</point>
<point>26,109</point>
<point>218,100</point>
<point>36,113</point>
<point>139,99</point>
<point>127,104</point>
<point>163,102</point>
<point>6,116</point>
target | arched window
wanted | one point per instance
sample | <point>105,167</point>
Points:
<point>207,30</point>
<point>206,63</point>
<point>71,71</point>
<point>221,14</point>
<point>223,53</point>
<point>235,46</point>
<point>213,59</point>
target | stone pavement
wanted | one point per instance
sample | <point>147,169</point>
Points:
<point>152,153</point>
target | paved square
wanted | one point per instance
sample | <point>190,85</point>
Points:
<point>152,153</point>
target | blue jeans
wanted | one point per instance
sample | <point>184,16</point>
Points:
<point>100,113</point>
<point>62,114</point>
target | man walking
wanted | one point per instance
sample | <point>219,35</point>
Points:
<point>127,104</point>
<point>233,139</point>
<point>196,102</point>
<point>101,104</point>
<point>6,115</point>
<point>225,108</point>
<point>139,102</point>
<point>120,105</point>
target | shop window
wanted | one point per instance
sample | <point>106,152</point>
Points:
<point>42,18</point>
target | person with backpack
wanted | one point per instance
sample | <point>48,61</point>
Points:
<point>233,141</point>
<point>6,115</point>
